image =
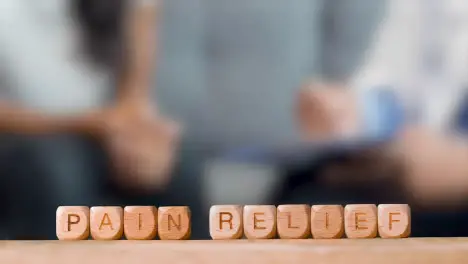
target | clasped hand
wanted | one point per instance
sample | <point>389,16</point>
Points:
<point>141,145</point>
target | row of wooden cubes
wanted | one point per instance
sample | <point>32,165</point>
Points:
<point>112,222</point>
<point>304,221</point>
<point>235,221</point>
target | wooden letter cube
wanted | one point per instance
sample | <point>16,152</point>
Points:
<point>327,221</point>
<point>360,220</point>
<point>72,222</point>
<point>226,222</point>
<point>106,222</point>
<point>140,222</point>
<point>260,221</point>
<point>394,220</point>
<point>174,223</point>
<point>293,221</point>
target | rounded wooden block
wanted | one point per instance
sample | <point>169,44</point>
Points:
<point>174,223</point>
<point>72,222</point>
<point>394,220</point>
<point>140,222</point>
<point>226,222</point>
<point>260,221</point>
<point>360,220</point>
<point>293,221</point>
<point>327,221</point>
<point>106,222</point>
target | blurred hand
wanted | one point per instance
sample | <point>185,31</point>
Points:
<point>141,145</point>
<point>326,111</point>
<point>435,167</point>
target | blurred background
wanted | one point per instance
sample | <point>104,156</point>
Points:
<point>203,102</point>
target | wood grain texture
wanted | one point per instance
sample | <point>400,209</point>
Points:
<point>174,223</point>
<point>327,221</point>
<point>360,220</point>
<point>106,222</point>
<point>140,222</point>
<point>72,222</point>
<point>293,221</point>
<point>226,222</point>
<point>334,251</point>
<point>259,221</point>
<point>394,220</point>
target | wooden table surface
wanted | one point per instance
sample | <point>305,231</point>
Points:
<point>381,251</point>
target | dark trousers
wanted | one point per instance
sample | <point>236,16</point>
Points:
<point>303,186</point>
<point>38,174</point>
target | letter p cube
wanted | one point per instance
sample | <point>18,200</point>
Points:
<point>72,222</point>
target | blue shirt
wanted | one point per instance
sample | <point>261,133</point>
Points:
<point>384,115</point>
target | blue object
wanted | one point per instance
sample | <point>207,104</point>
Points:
<point>461,119</point>
<point>383,114</point>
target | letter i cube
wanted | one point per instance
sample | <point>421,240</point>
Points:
<point>140,222</point>
<point>327,221</point>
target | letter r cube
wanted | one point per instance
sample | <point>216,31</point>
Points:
<point>226,222</point>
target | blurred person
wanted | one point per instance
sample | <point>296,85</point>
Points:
<point>411,95</point>
<point>73,71</point>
